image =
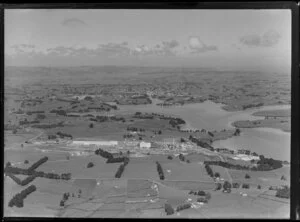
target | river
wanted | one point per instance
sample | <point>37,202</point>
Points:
<point>210,116</point>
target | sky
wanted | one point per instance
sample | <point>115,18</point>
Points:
<point>233,39</point>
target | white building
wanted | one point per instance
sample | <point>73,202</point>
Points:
<point>145,145</point>
<point>98,143</point>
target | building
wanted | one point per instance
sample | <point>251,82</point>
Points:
<point>146,145</point>
<point>98,143</point>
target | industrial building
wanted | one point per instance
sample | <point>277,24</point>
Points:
<point>98,143</point>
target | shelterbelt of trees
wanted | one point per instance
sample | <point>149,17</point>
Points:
<point>201,143</point>
<point>18,199</point>
<point>264,164</point>
<point>111,159</point>
<point>160,171</point>
<point>9,170</point>
<point>121,168</point>
<point>24,182</point>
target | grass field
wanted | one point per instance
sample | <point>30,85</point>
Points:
<point>235,206</point>
<point>264,178</point>
<point>141,168</point>
<point>185,171</point>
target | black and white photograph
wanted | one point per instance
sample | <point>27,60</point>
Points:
<point>147,113</point>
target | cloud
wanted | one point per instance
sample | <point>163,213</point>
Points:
<point>108,50</point>
<point>73,22</point>
<point>166,48</point>
<point>23,48</point>
<point>268,39</point>
<point>197,46</point>
<point>235,46</point>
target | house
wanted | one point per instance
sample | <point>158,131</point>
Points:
<point>146,145</point>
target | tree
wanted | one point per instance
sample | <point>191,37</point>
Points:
<point>169,209</point>
<point>14,131</point>
<point>188,161</point>
<point>26,161</point>
<point>217,174</point>
<point>283,192</point>
<point>245,186</point>
<point>218,186</point>
<point>258,187</point>
<point>170,157</point>
<point>247,176</point>
<point>91,125</point>
<point>226,185</point>
<point>283,177</point>
<point>159,132</point>
<point>62,203</point>
<point>201,193</point>
<point>90,164</point>
<point>235,185</point>
<point>207,196</point>
<point>8,164</point>
<point>202,200</point>
<point>237,132</point>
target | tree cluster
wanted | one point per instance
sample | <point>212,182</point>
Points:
<point>227,186</point>
<point>18,199</point>
<point>52,137</point>
<point>200,143</point>
<point>176,121</point>
<point>32,112</point>
<point>121,168</point>
<point>160,171</point>
<point>210,133</point>
<point>135,129</point>
<point>201,193</point>
<point>183,207</point>
<point>16,170</point>
<point>235,185</point>
<point>266,166</point>
<point>181,157</point>
<point>283,192</point>
<point>90,165</point>
<point>169,209</point>
<point>63,135</point>
<point>64,199</point>
<point>40,116</point>
<point>209,170</point>
<point>117,160</point>
<point>245,186</point>
<point>38,163</point>
<point>247,176</point>
<point>59,112</point>
<point>28,122</point>
<point>24,182</point>
<point>218,186</point>
<point>48,126</point>
<point>103,153</point>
